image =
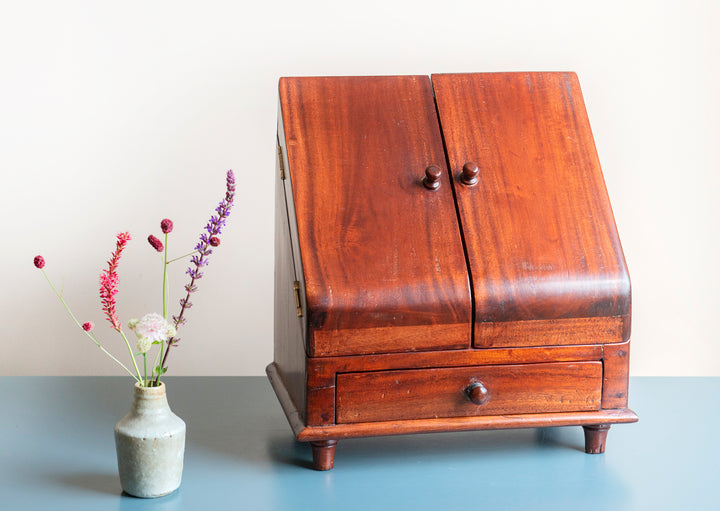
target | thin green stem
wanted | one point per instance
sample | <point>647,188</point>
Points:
<point>165,287</point>
<point>181,257</point>
<point>88,334</point>
<point>145,379</point>
<point>160,349</point>
<point>110,355</point>
<point>132,355</point>
<point>157,359</point>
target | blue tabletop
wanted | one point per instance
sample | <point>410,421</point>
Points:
<point>57,452</point>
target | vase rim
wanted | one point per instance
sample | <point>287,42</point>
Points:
<point>160,389</point>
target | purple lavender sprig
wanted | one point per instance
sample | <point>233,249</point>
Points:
<point>199,260</point>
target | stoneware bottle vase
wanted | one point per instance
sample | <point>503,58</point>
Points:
<point>150,443</point>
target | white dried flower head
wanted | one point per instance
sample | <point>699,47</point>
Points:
<point>144,344</point>
<point>154,327</point>
<point>133,323</point>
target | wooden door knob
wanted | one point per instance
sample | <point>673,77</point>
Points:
<point>470,173</point>
<point>432,177</point>
<point>477,393</point>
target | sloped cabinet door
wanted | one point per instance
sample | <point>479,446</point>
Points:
<point>381,254</point>
<point>545,259</point>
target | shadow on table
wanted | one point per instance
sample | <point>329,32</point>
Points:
<point>560,437</point>
<point>458,445</point>
<point>107,484</point>
<point>288,451</point>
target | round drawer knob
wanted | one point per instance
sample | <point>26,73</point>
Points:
<point>477,393</point>
<point>432,177</point>
<point>470,173</point>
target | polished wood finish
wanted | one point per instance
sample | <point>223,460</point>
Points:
<point>616,362</point>
<point>322,371</point>
<point>289,347</point>
<point>477,393</point>
<point>433,173</point>
<point>370,340</point>
<point>491,295</point>
<point>470,173</point>
<point>287,208</point>
<point>551,332</point>
<point>540,235</point>
<point>295,415</point>
<point>434,393</point>
<point>306,433</point>
<point>378,250</point>
<point>323,453</point>
<point>595,438</point>
<point>320,405</point>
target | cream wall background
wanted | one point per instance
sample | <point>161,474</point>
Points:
<point>116,115</point>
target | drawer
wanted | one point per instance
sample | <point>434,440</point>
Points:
<point>468,391</point>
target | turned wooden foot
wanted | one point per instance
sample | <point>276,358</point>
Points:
<point>595,437</point>
<point>323,454</point>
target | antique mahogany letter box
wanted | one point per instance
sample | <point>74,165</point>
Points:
<point>446,259</point>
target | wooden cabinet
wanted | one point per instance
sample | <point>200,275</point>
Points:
<point>446,259</point>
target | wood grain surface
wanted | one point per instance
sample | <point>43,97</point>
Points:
<point>551,332</point>
<point>616,370</point>
<point>290,358</point>
<point>433,393</point>
<point>322,371</point>
<point>305,433</point>
<point>378,249</point>
<point>539,231</point>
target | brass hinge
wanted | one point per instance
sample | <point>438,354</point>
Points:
<point>298,303</point>
<point>282,163</point>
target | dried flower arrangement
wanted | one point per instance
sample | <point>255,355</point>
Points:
<point>153,328</point>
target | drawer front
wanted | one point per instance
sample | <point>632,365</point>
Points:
<point>468,391</point>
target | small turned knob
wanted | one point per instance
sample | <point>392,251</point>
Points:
<point>470,173</point>
<point>477,393</point>
<point>432,177</point>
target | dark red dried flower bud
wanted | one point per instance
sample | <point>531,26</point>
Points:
<point>155,243</point>
<point>39,261</point>
<point>214,241</point>
<point>166,225</point>
<point>88,326</point>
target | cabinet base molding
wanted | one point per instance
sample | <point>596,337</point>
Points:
<point>324,438</point>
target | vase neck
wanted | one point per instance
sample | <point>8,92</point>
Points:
<point>150,400</point>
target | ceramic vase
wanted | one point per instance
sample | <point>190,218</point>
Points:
<point>150,443</point>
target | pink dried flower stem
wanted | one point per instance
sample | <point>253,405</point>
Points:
<point>213,229</point>
<point>109,282</point>
<point>108,289</point>
<point>87,332</point>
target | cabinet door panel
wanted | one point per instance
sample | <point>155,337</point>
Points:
<point>381,254</point>
<point>540,234</point>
